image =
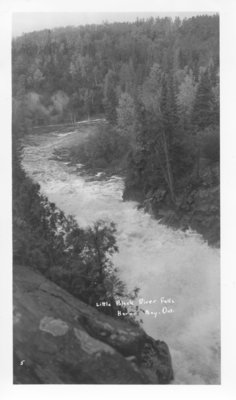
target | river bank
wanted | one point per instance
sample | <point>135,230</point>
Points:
<point>197,204</point>
<point>157,259</point>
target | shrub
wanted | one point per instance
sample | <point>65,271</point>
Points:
<point>106,147</point>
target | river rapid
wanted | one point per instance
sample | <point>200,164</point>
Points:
<point>177,272</point>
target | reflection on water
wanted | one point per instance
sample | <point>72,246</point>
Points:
<point>161,262</point>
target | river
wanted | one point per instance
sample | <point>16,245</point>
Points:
<point>175,270</point>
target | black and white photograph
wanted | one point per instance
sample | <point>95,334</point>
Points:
<point>116,198</point>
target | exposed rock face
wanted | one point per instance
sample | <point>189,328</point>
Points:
<point>60,339</point>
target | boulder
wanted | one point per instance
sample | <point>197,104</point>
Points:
<point>58,339</point>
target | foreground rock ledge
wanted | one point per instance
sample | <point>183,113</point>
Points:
<point>58,339</point>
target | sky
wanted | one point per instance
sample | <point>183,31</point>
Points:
<point>23,22</point>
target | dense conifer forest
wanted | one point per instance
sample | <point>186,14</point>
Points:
<point>70,73</point>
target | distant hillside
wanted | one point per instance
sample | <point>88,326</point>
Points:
<point>68,73</point>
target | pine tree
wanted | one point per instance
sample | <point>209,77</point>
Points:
<point>110,97</point>
<point>185,100</point>
<point>168,105</point>
<point>172,104</point>
<point>167,109</point>
<point>126,117</point>
<point>202,115</point>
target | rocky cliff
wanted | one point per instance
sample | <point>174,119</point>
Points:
<point>58,339</point>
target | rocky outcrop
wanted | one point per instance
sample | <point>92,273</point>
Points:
<point>58,339</point>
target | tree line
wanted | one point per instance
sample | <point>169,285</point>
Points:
<point>66,74</point>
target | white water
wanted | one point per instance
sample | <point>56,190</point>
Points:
<point>158,260</point>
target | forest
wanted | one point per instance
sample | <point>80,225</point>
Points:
<point>156,82</point>
<point>70,73</point>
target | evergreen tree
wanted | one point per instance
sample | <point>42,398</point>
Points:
<point>172,104</point>
<point>202,115</point>
<point>185,100</point>
<point>126,117</point>
<point>167,133</point>
<point>110,97</point>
